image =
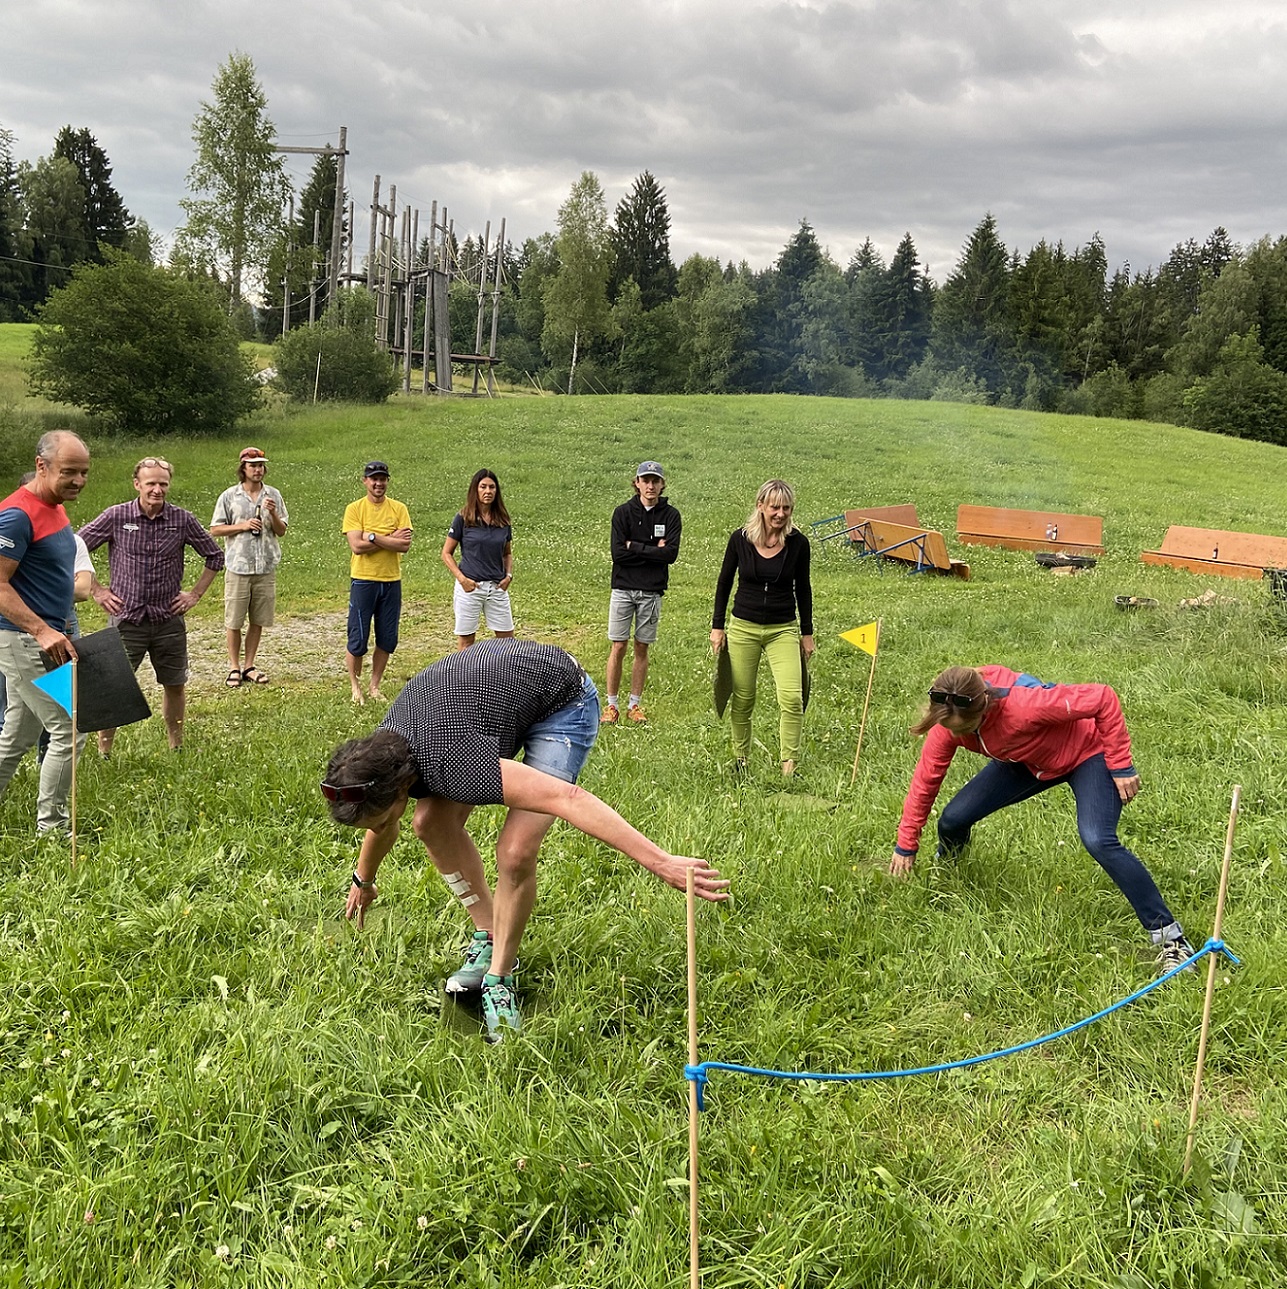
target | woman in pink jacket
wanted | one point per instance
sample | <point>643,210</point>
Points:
<point>1036,736</point>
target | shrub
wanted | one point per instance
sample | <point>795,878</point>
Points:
<point>352,369</point>
<point>143,350</point>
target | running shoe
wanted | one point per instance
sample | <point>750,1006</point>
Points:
<point>500,1008</point>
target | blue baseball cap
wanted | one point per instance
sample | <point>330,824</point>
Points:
<point>650,467</point>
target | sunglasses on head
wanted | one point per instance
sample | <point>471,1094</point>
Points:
<point>350,792</point>
<point>944,699</point>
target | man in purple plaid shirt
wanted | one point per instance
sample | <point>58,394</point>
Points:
<point>145,599</point>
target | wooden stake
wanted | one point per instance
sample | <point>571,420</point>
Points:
<point>75,758</point>
<point>867,703</point>
<point>694,1265</point>
<point>1212,967</point>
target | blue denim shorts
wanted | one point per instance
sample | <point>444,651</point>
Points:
<point>560,744</point>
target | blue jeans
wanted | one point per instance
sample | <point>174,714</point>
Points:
<point>1003,783</point>
<point>560,744</point>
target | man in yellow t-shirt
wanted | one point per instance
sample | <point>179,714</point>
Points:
<point>379,534</point>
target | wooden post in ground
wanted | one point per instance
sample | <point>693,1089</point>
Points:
<point>337,220</point>
<point>694,1226</point>
<point>496,286</point>
<point>1212,967</point>
<point>370,254</point>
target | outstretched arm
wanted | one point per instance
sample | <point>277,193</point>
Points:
<point>529,789</point>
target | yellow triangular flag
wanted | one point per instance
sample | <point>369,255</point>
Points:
<point>864,638</point>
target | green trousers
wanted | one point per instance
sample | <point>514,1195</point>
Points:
<point>746,644</point>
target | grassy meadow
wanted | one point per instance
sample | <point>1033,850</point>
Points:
<point>207,1077</point>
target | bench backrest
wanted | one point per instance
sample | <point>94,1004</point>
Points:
<point>904,514</point>
<point>1045,527</point>
<point>1225,547</point>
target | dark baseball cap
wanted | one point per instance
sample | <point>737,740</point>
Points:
<point>650,467</point>
<point>373,468</point>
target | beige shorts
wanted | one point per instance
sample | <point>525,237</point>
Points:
<point>249,593</point>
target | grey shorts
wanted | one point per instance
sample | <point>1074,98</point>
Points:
<point>640,608</point>
<point>166,643</point>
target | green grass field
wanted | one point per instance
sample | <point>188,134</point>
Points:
<point>209,1078</point>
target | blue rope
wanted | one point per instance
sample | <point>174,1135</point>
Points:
<point>700,1074</point>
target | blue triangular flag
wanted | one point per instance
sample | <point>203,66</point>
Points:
<point>58,685</point>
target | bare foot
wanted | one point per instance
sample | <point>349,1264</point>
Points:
<point>788,769</point>
<point>377,695</point>
<point>357,697</point>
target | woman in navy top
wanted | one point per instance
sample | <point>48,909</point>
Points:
<point>485,566</point>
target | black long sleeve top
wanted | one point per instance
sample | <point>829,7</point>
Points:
<point>769,591</point>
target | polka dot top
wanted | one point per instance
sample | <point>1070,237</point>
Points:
<point>465,712</point>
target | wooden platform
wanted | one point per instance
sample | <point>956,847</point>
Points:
<point>923,548</point>
<point>1218,552</point>
<point>1030,530</point>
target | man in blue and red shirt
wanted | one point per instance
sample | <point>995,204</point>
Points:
<point>37,581</point>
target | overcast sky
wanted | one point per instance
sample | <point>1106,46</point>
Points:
<point>1149,121</point>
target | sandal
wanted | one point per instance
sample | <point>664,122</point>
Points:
<point>234,679</point>
<point>253,676</point>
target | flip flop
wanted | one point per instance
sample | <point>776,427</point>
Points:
<point>234,679</point>
<point>253,676</point>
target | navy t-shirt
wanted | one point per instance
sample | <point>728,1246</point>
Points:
<point>36,534</point>
<point>482,549</point>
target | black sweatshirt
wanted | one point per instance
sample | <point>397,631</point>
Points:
<point>638,562</point>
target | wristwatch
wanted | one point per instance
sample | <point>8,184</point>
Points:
<point>371,538</point>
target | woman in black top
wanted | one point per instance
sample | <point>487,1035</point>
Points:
<point>771,558</point>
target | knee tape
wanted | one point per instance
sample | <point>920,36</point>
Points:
<point>460,888</point>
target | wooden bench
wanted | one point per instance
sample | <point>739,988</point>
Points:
<point>1213,550</point>
<point>1030,530</point>
<point>904,514</point>
<point>923,548</point>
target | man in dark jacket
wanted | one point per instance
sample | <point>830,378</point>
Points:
<point>645,543</point>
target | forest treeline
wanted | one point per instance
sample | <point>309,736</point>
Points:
<point>1200,340</point>
<point>598,304</point>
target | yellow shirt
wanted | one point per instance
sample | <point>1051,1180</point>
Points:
<point>388,517</point>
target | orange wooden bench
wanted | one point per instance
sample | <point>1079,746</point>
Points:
<point>1030,530</point>
<point>1213,550</point>
<point>904,514</point>
<point>924,548</point>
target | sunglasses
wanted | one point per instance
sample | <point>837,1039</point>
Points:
<point>944,699</point>
<point>148,462</point>
<point>351,792</point>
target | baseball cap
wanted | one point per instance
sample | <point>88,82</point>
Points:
<point>650,467</point>
<point>253,454</point>
<point>374,468</point>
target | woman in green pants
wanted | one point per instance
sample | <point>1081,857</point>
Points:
<point>770,556</point>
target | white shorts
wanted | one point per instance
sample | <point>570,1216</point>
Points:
<point>488,601</point>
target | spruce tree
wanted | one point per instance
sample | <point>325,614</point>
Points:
<point>105,220</point>
<point>640,238</point>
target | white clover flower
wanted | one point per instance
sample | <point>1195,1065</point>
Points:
<point>223,1252</point>
<point>422,1222</point>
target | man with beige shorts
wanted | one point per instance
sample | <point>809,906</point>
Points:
<point>251,515</point>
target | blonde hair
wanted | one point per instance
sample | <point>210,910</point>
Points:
<point>962,681</point>
<point>775,492</point>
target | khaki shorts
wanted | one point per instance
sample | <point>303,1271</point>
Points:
<point>253,593</point>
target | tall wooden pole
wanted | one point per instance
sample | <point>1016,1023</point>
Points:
<point>1212,968</point>
<point>337,220</point>
<point>290,246</point>
<point>370,255</point>
<point>75,696</point>
<point>496,286</point>
<point>871,676</point>
<point>694,1226</point>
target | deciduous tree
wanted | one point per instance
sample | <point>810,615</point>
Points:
<point>239,183</point>
<point>576,297</point>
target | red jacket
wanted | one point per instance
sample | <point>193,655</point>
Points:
<point>1049,730</point>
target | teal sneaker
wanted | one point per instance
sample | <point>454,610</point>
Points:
<point>500,1007</point>
<point>468,978</point>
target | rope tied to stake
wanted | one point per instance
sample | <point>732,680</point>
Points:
<point>700,1074</point>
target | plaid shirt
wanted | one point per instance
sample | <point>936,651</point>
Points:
<point>145,556</point>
